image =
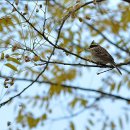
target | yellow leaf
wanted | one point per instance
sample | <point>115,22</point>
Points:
<point>1,28</point>
<point>13,60</point>
<point>11,66</point>
<point>36,58</point>
<point>87,17</point>
<point>72,126</point>
<point>20,117</point>
<point>113,125</point>
<point>44,117</point>
<point>94,2</point>
<point>128,102</point>
<point>112,87</point>
<point>73,102</point>
<point>2,56</point>
<point>32,122</point>
<point>119,86</point>
<point>6,21</point>
<point>83,102</point>
<point>66,1</point>
<point>115,27</point>
<point>16,2</point>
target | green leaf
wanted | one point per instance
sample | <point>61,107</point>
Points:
<point>11,66</point>
<point>13,60</point>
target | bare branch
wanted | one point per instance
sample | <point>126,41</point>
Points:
<point>63,49</point>
<point>64,19</point>
<point>91,26</point>
<point>85,65</point>
<point>78,64</point>
<point>127,1</point>
<point>113,96</point>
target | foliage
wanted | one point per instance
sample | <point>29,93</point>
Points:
<point>45,42</point>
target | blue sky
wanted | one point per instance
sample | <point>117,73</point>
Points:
<point>89,79</point>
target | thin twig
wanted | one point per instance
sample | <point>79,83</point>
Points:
<point>104,71</point>
<point>64,19</point>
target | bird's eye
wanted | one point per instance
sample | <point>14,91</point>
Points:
<point>91,46</point>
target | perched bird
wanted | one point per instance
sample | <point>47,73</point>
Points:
<point>101,55</point>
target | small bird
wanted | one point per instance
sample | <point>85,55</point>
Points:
<point>101,55</point>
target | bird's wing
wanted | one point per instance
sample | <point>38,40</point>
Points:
<point>101,52</point>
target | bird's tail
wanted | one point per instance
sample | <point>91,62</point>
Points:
<point>117,68</point>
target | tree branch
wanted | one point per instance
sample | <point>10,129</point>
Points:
<point>78,64</point>
<point>63,49</point>
<point>84,65</point>
<point>91,26</point>
<point>127,1</point>
<point>64,19</point>
<point>64,86</point>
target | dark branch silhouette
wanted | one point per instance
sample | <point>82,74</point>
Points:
<point>113,96</point>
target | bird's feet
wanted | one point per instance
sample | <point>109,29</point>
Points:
<point>100,64</point>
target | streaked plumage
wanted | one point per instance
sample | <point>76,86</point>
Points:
<point>101,55</point>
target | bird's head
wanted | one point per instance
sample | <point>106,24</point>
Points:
<point>93,44</point>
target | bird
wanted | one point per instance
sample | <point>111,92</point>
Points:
<point>101,56</point>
